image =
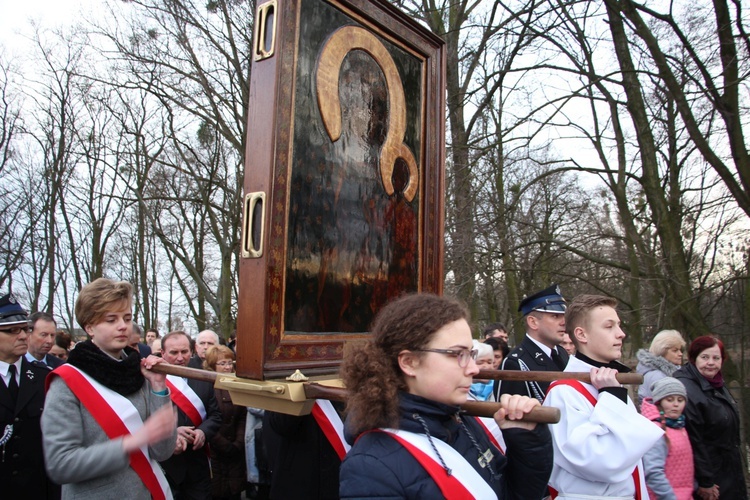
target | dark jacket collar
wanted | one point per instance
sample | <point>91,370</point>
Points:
<point>689,370</point>
<point>441,419</point>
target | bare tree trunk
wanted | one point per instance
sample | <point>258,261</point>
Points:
<point>684,308</point>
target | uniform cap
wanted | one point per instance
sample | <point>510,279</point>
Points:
<point>11,312</point>
<point>548,300</point>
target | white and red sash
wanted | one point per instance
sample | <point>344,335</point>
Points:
<point>330,423</point>
<point>464,483</point>
<point>117,417</point>
<point>493,431</point>
<point>638,474</point>
<point>186,399</point>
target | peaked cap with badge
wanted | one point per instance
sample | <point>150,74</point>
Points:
<point>548,300</point>
<point>11,312</point>
<point>528,356</point>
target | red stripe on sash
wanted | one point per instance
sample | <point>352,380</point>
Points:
<point>578,386</point>
<point>637,480</point>
<point>109,421</point>
<point>184,404</point>
<point>575,384</point>
<point>490,435</point>
<point>328,430</point>
<point>449,485</point>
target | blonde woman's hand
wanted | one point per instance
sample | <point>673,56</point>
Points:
<point>157,427</point>
<point>158,381</point>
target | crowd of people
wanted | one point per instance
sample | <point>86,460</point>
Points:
<point>96,421</point>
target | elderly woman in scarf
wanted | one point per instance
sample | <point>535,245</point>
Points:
<point>662,359</point>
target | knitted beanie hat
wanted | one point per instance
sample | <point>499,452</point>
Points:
<point>667,386</point>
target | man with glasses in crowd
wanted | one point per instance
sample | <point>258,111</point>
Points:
<point>22,472</point>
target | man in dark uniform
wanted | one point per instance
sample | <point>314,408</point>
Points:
<point>544,316</point>
<point>22,473</point>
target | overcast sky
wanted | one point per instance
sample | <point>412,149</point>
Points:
<point>15,16</point>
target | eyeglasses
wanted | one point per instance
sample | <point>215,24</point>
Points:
<point>463,355</point>
<point>225,363</point>
<point>15,330</point>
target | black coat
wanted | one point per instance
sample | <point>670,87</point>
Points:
<point>378,466</point>
<point>303,463</point>
<point>536,360</point>
<point>22,472</point>
<point>713,424</point>
<point>195,362</point>
<point>189,471</point>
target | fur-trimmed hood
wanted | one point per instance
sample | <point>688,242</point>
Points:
<point>649,362</point>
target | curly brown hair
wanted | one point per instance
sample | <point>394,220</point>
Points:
<point>370,371</point>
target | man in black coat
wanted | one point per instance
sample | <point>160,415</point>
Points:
<point>189,469</point>
<point>544,316</point>
<point>22,473</point>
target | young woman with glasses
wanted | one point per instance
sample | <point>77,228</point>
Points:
<point>407,384</point>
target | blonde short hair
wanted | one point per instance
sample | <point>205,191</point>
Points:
<point>100,297</point>
<point>664,341</point>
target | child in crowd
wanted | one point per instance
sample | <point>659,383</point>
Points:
<point>669,464</point>
<point>601,437</point>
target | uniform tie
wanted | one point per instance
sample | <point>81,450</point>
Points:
<point>13,383</point>
<point>558,359</point>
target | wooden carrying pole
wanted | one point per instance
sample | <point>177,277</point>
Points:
<point>623,378</point>
<point>540,414</point>
<point>320,391</point>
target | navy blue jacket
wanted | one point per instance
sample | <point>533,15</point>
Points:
<point>379,467</point>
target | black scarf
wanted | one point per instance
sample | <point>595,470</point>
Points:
<point>124,377</point>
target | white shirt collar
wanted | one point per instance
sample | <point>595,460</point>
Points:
<point>546,350</point>
<point>4,367</point>
<point>30,358</point>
